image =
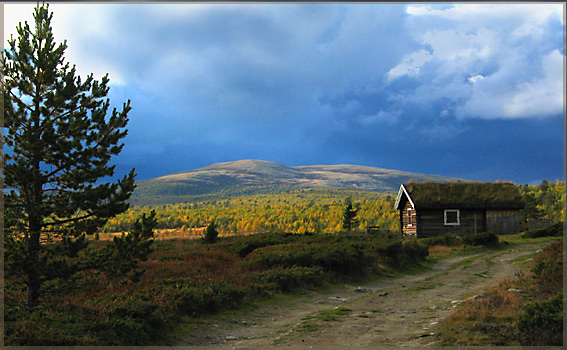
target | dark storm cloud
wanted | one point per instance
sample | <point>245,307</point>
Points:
<point>474,91</point>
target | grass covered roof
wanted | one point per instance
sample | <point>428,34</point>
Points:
<point>465,195</point>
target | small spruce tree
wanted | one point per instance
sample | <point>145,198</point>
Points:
<point>349,216</point>
<point>122,257</point>
<point>211,233</point>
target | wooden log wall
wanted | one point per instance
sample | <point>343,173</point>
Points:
<point>431,223</point>
<point>503,221</point>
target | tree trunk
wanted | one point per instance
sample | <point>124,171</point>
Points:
<point>33,268</point>
<point>32,271</point>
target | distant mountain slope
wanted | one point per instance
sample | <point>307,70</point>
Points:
<point>258,176</point>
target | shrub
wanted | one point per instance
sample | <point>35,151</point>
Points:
<point>135,322</point>
<point>404,254</point>
<point>553,230</point>
<point>191,297</point>
<point>287,279</point>
<point>414,251</point>
<point>39,328</point>
<point>132,322</point>
<point>448,240</point>
<point>341,259</point>
<point>487,239</point>
<point>246,245</point>
<point>542,323</point>
<point>548,269</point>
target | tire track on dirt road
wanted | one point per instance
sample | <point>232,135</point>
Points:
<point>400,311</point>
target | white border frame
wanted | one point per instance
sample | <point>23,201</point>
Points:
<point>458,223</point>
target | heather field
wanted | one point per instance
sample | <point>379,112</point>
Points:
<point>186,277</point>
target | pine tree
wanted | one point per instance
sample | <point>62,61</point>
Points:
<point>349,216</point>
<point>59,143</point>
<point>211,233</point>
<point>123,255</point>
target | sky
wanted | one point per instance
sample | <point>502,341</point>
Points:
<point>474,91</point>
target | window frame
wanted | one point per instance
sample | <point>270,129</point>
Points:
<point>457,211</point>
<point>410,216</point>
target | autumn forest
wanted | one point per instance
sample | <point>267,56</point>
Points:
<point>310,210</point>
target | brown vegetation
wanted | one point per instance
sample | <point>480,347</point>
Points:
<point>497,316</point>
<point>190,278</point>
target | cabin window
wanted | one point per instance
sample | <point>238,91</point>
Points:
<point>452,217</point>
<point>410,217</point>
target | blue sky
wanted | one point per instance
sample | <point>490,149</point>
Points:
<point>470,90</point>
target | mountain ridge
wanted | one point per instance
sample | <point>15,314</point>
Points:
<point>259,176</point>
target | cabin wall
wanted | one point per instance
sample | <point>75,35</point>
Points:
<point>431,223</point>
<point>503,221</point>
<point>408,230</point>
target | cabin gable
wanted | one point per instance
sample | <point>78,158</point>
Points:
<point>409,220</point>
<point>408,214</point>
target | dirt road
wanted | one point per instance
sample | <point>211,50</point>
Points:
<point>400,311</point>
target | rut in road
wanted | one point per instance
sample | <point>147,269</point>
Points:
<point>391,311</point>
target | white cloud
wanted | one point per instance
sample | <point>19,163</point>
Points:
<point>13,15</point>
<point>253,60</point>
<point>543,96</point>
<point>410,65</point>
<point>540,96</point>
<point>491,61</point>
<point>475,78</point>
<point>483,14</point>
<point>78,24</point>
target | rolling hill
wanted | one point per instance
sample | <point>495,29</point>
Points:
<point>258,176</point>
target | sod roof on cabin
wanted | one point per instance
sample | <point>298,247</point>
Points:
<point>478,195</point>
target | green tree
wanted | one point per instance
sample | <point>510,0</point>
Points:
<point>211,233</point>
<point>349,216</point>
<point>123,255</point>
<point>531,209</point>
<point>59,143</point>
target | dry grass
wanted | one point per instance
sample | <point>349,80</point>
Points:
<point>487,320</point>
<point>492,318</point>
<point>437,250</point>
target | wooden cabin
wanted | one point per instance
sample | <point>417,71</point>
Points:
<point>434,209</point>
